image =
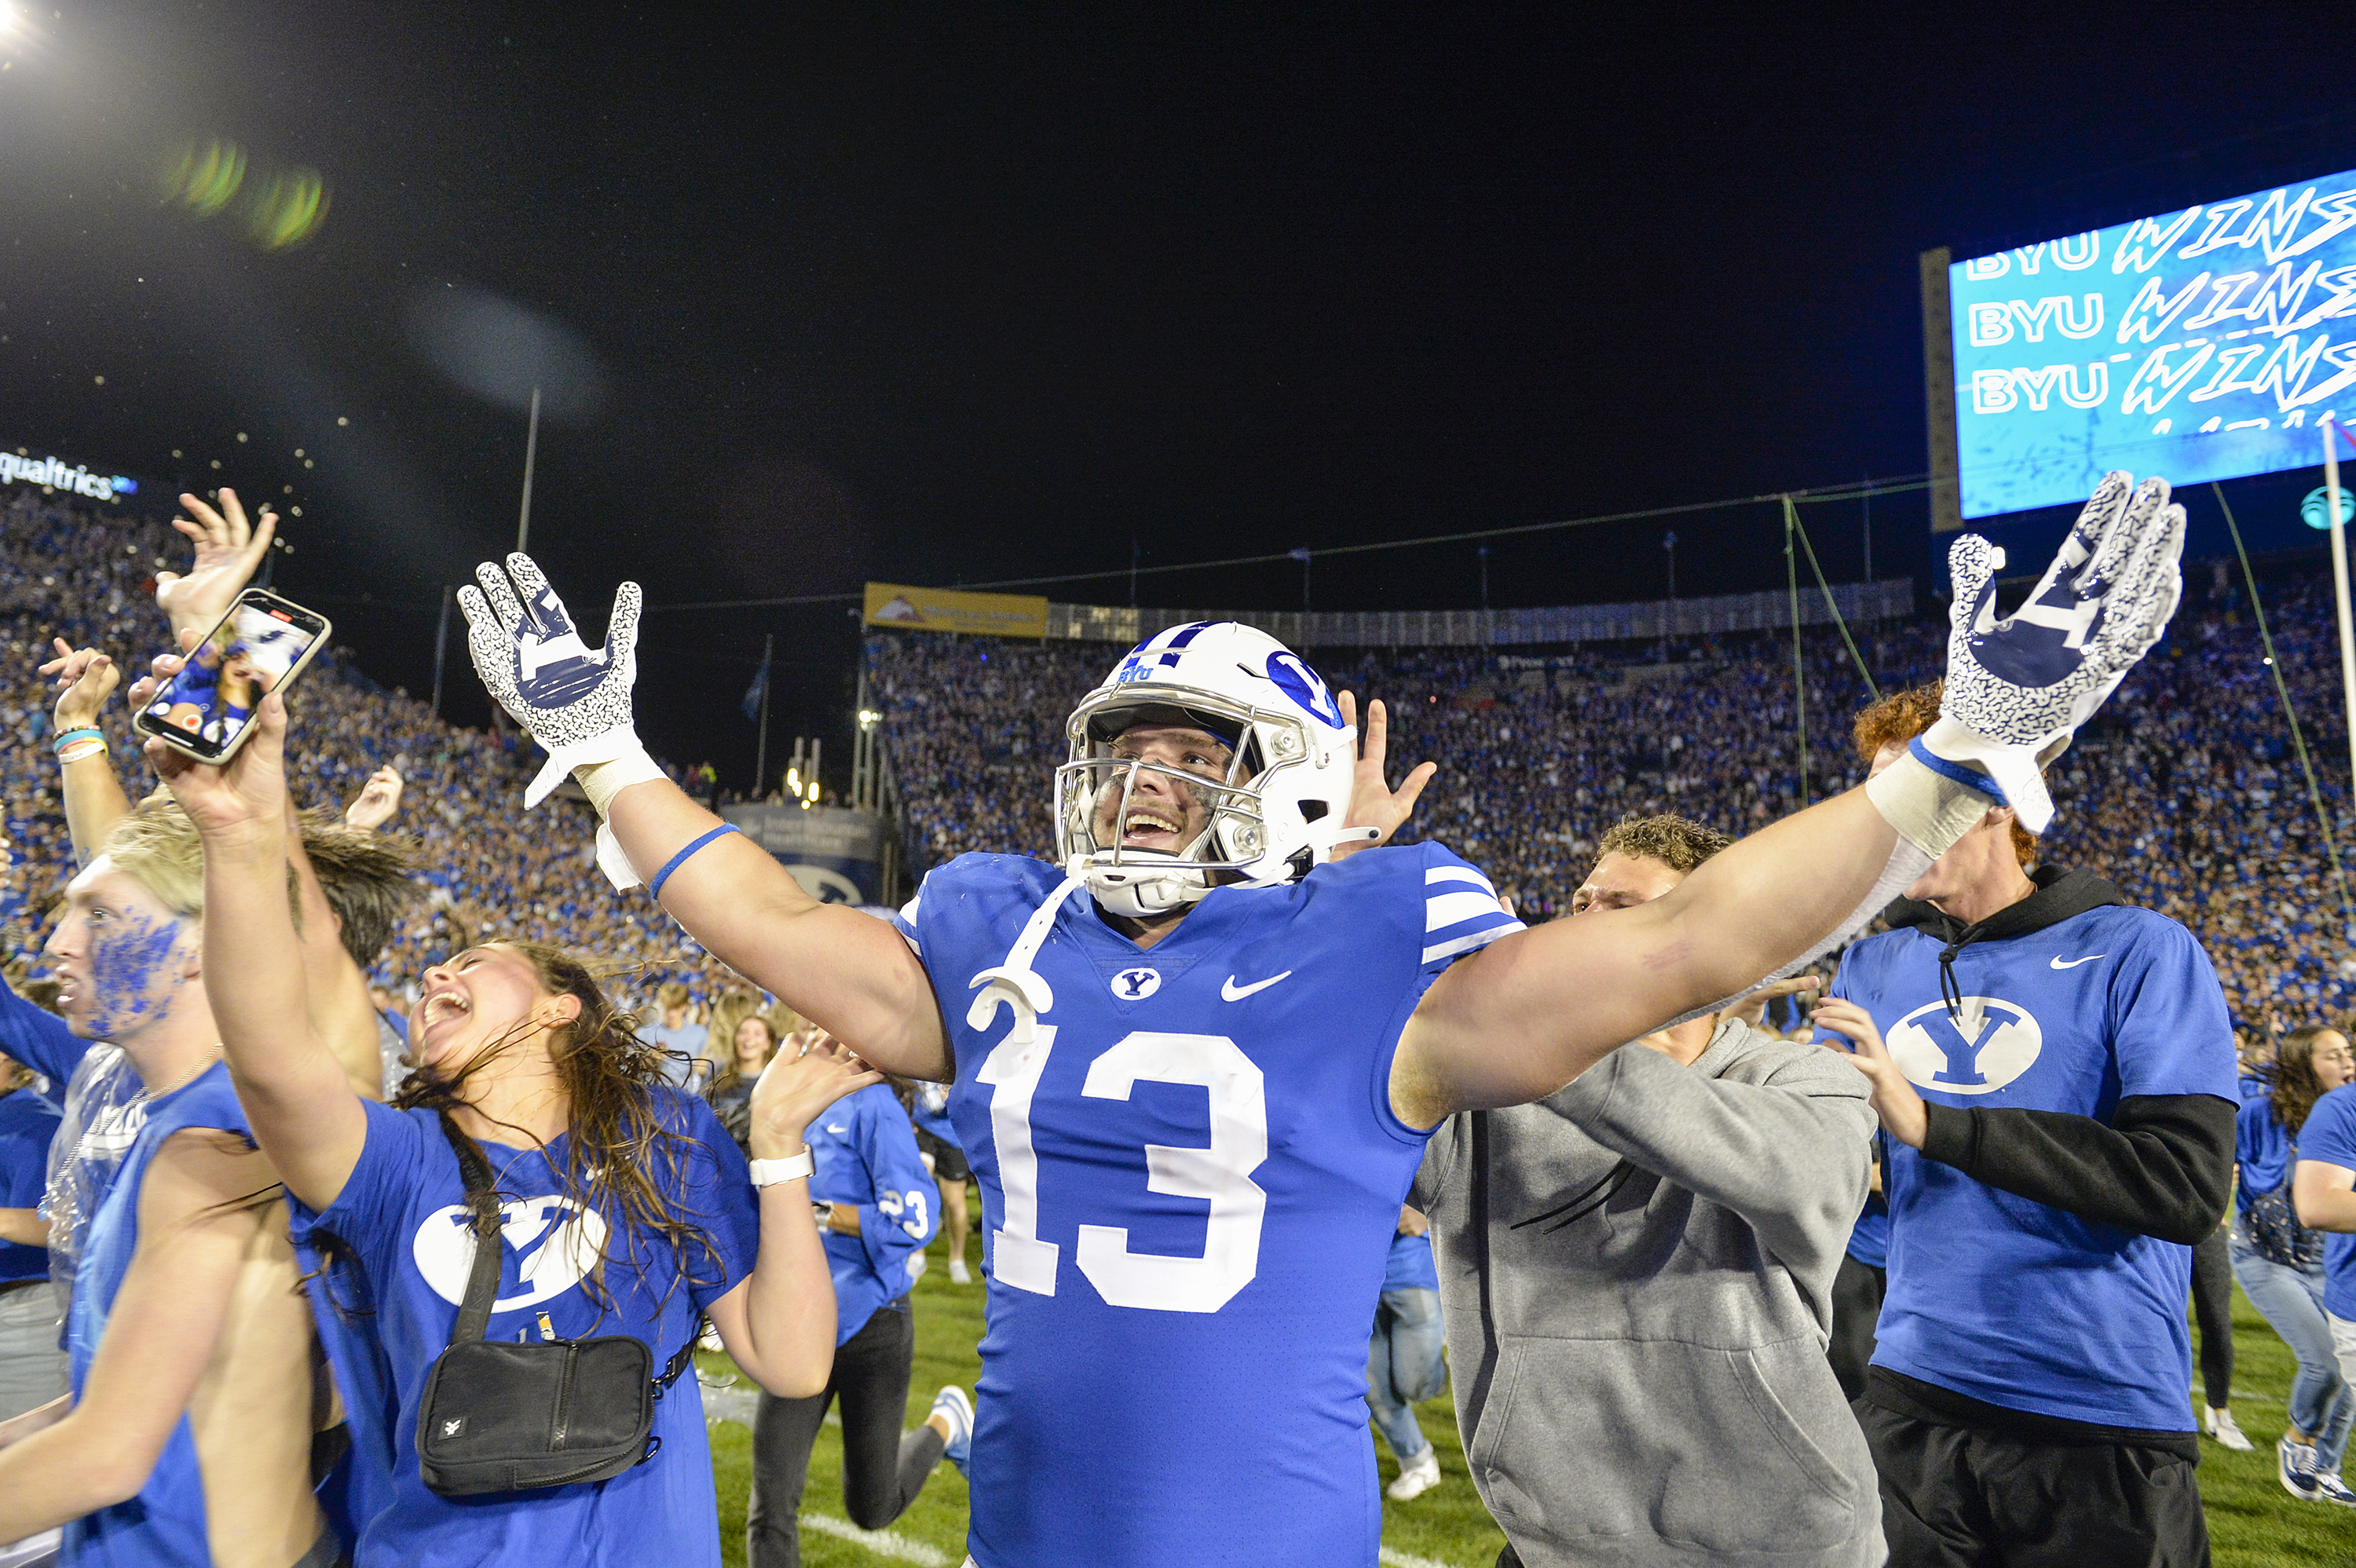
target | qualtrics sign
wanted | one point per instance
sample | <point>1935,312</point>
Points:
<point>58,473</point>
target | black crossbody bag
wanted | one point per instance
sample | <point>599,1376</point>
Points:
<point>497,1417</point>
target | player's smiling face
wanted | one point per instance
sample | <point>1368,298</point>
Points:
<point>1163,813</point>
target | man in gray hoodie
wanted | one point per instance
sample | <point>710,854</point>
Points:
<point>1637,1273</point>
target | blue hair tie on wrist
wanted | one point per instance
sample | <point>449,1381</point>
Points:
<point>1970,778</point>
<point>655,888</point>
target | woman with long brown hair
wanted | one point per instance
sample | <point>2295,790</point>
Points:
<point>750,1046</point>
<point>626,1207</point>
<point>2280,1262</point>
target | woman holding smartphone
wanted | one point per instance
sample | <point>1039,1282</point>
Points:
<point>626,1208</point>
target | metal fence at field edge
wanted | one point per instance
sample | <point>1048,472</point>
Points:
<point>1498,628</point>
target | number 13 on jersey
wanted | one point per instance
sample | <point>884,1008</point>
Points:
<point>1219,1174</point>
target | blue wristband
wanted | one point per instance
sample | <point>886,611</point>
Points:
<point>655,888</point>
<point>1970,778</point>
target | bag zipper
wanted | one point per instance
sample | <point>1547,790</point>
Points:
<point>564,1398</point>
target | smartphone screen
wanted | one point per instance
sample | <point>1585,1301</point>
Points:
<point>206,707</point>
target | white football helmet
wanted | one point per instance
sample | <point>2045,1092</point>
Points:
<point>1277,812</point>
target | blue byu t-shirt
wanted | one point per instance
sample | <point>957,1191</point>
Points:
<point>2261,1151</point>
<point>1190,1181</point>
<point>867,1159</point>
<point>1999,1297</point>
<point>402,1219</point>
<point>2330,1136</point>
<point>164,1524</point>
<point>1410,1266</point>
<point>1868,1239</point>
<point>27,1122</point>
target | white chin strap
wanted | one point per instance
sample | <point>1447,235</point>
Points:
<point>1143,892</point>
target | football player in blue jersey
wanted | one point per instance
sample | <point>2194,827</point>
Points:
<point>1196,1058</point>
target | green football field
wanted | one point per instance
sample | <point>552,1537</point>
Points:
<point>2253,1522</point>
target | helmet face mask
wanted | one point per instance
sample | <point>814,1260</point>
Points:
<point>1269,820</point>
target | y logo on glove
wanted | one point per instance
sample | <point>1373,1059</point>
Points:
<point>552,665</point>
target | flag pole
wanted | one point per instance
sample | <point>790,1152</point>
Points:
<point>2340,582</point>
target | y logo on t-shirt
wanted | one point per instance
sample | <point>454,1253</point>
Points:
<point>556,1240</point>
<point>1993,1042</point>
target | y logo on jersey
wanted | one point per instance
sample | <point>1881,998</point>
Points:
<point>555,1239</point>
<point>1135,985</point>
<point>1995,1042</point>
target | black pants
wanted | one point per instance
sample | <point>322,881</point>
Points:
<point>1961,1497</point>
<point>882,1470</point>
<point>1857,1290</point>
<point>2212,1310</point>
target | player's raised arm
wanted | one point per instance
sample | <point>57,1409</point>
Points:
<point>847,971</point>
<point>1532,1010</point>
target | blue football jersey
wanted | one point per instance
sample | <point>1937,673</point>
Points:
<point>1998,1296</point>
<point>1190,1179</point>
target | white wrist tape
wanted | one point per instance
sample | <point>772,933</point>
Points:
<point>603,778</point>
<point>1931,807</point>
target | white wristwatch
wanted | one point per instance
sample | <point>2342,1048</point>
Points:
<point>793,1168</point>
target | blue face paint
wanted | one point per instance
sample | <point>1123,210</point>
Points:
<point>131,972</point>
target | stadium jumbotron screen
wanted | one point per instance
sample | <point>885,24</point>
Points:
<point>2202,344</point>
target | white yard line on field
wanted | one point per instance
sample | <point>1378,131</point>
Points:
<point>883,1543</point>
<point>1407,1560</point>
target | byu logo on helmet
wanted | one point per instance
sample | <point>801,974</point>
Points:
<point>1135,985</point>
<point>1302,684</point>
<point>1157,653</point>
<point>1994,1042</point>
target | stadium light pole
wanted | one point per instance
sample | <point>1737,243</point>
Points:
<point>2340,583</point>
<point>530,450</point>
<point>441,644</point>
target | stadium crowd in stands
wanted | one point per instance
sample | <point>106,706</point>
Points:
<point>68,570</point>
<point>1539,762</point>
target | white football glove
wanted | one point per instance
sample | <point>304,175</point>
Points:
<point>575,700</point>
<point>2017,688</point>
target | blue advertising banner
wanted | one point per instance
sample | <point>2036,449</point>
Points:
<point>2199,345</point>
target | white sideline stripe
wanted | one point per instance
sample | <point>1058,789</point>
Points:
<point>1455,945</point>
<point>1408,1559</point>
<point>1444,909</point>
<point>1457,874</point>
<point>883,1543</point>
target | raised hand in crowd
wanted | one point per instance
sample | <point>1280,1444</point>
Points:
<point>378,802</point>
<point>85,679</point>
<point>94,800</point>
<point>229,552</point>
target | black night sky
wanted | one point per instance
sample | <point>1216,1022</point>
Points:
<point>968,294</point>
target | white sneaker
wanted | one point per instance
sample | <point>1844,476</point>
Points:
<point>955,1412</point>
<point>2295,1468</point>
<point>959,1273</point>
<point>918,1264</point>
<point>2220,1425</point>
<point>2330,1489</point>
<point>1417,1477</point>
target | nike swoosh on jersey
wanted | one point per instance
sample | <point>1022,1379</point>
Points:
<point>2075,962</point>
<point>1231,992</point>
